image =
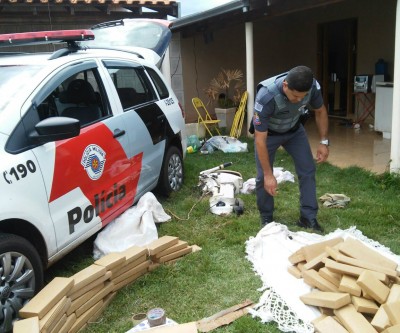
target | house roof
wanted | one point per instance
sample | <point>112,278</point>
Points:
<point>21,11</point>
<point>238,11</point>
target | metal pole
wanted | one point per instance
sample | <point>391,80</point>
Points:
<point>395,143</point>
<point>249,73</point>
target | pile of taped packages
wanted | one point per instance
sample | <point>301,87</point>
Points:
<point>69,304</point>
<point>356,288</point>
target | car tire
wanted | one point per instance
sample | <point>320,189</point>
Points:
<point>172,173</point>
<point>21,274</point>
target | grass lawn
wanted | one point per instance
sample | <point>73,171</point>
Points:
<point>219,276</point>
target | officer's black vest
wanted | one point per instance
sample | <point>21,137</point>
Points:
<point>286,115</point>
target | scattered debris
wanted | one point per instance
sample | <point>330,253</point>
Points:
<point>224,317</point>
<point>334,200</point>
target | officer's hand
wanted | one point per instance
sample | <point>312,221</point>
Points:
<point>322,153</point>
<point>270,184</point>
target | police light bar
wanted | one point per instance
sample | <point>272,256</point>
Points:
<point>44,37</point>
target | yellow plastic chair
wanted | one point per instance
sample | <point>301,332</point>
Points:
<point>237,124</point>
<point>204,117</point>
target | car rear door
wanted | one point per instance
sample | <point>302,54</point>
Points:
<point>145,121</point>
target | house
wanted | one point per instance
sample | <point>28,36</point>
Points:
<point>338,39</point>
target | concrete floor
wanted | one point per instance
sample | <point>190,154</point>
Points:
<point>362,147</point>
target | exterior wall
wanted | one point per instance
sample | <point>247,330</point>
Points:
<point>286,41</point>
<point>202,61</point>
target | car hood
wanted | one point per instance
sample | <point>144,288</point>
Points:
<point>149,38</point>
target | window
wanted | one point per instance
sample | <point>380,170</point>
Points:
<point>77,97</point>
<point>159,83</point>
<point>131,83</point>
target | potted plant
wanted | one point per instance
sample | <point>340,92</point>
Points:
<point>224,92</point>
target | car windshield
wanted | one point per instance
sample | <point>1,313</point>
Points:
<point>14,79</point>
<point>145,34</point>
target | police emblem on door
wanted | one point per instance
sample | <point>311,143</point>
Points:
<point>93,160</point>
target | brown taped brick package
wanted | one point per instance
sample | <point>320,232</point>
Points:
<point>373,287</point>
<point>329,325</point>
<point>30,325</point>
<point>326,299</point>
<point>358,250</point>
<point>48,297</point>
<point>353,321</point>
<point>161,244</point>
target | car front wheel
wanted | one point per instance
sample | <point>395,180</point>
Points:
<point>171,177</point>
<point>21,274</point>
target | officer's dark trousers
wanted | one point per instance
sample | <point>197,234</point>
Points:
<point>297,145</point>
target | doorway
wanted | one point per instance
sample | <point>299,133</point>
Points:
<point>336,66</point>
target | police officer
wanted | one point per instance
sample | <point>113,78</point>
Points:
<point>281,103</point>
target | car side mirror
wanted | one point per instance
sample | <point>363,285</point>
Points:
<point>55,128</point>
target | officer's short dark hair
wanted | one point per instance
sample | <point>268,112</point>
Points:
<point>300,78</point>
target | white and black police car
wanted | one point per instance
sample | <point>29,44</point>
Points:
<point>84,133</point>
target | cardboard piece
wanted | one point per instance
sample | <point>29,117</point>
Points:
<point>182,328</point>
<point>224,317</point>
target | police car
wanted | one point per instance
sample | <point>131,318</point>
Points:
<point>84,133</point>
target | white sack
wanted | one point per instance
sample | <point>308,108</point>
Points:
<point>136,226</point>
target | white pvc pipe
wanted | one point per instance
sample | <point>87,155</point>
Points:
<point>395,143</point>
<point>249,73</point>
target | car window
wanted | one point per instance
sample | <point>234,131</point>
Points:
<point>15,78</point>
<point>79,96</point>
<point>131,83</point>
<point>159,83</point>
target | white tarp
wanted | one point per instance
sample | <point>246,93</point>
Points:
<point>136,226</point>
<point>269,252</point>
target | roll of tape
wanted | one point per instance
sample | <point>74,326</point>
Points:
<point>138,318</point>
<point>156,317</point>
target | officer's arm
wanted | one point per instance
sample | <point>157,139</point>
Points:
<point>321,119</point>
<point>260,140</point>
